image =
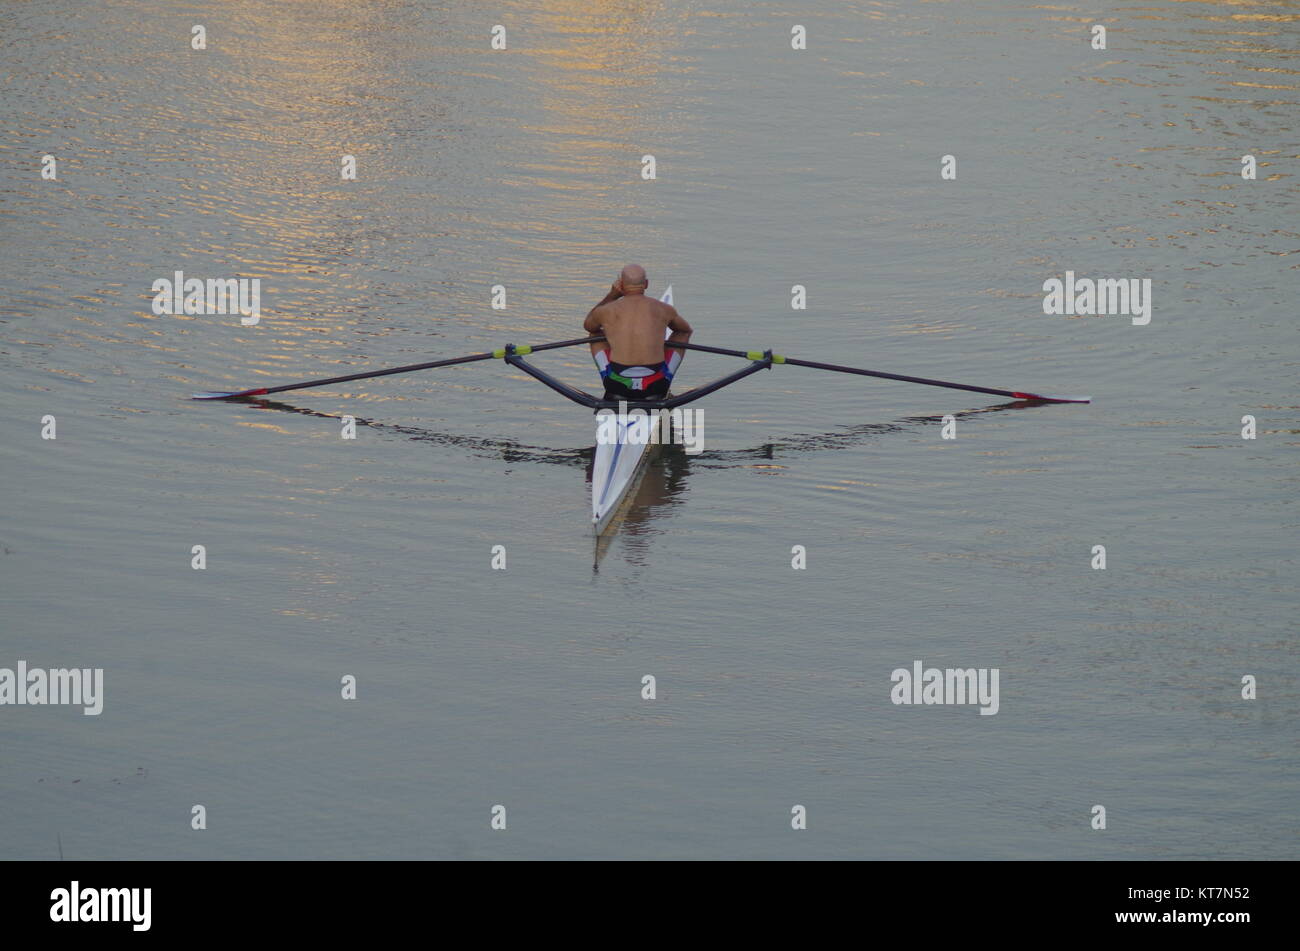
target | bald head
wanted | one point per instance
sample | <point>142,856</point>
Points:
<point>633,279</point>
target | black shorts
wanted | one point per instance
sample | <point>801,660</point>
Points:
<point>654,388</point>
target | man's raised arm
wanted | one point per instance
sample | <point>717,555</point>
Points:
<point>592,323</point>
<point>615,292</point>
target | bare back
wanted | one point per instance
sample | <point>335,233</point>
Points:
<point>634,328</point>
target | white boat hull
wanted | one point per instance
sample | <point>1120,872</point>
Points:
<point>620,467</point>
<point>621,463</point>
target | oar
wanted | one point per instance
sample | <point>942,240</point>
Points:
<point>745,354</point>
<point>777,358</point>
<point>492,355</point>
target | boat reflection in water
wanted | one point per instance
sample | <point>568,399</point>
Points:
<point>665,478</point>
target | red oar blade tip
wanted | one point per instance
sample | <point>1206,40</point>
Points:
<point>225,396</point>
<point>1053,399</point>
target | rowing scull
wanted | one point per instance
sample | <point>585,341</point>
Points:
<point>621,463</point>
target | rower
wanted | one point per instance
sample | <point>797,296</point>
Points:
<point>635,361</point>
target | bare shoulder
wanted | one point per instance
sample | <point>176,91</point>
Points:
<point>602,315</point>
<point>606,311</point>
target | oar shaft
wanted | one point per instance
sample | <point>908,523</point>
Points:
<point>493,355</point>
<point>751,355</point>
<point>899,376</point>
<point>374,373</point>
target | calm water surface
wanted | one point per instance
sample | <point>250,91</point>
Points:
<point>522,687</point>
